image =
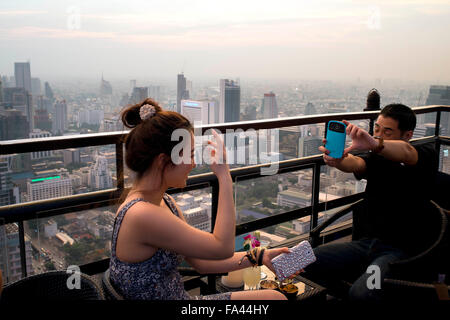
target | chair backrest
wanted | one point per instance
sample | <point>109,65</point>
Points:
<point>108,289</point>
<point>441,189</point>
<point>52,285</point>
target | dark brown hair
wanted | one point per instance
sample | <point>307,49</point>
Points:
<point>151,137</point>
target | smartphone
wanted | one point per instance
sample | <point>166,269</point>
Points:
<point>335,139</point>
<point>300,256</point>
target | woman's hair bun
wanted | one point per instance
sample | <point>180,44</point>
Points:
<point>131,116</point>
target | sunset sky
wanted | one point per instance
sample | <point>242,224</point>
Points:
<point>212,39</point>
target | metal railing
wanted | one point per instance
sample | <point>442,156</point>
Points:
<point>18,213</point>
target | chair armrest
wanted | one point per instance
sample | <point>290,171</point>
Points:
<point>426,256</point>
<point>314,234</point>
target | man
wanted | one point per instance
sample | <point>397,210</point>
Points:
<point>399,177</point>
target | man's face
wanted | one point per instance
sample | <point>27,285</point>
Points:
<point>387,128</point>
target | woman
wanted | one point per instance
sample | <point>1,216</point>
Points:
<point>151,236</point>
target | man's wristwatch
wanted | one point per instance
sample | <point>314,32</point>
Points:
<point>380,145</point>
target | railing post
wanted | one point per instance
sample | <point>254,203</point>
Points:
<point>23,252</point>
<point>315,196</point>
<point>119,166</point>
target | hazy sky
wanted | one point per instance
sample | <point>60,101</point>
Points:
<point>149,39</point>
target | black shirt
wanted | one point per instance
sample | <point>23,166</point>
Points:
<point>398,198</point>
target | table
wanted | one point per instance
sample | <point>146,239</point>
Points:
<point>307,290</point>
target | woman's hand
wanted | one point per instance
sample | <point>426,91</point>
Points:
<point>217,156</point>
<point>269,254</point>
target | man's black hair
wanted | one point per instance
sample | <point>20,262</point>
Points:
<point>403,114</point>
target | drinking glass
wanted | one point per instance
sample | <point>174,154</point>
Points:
<point>252,276</point>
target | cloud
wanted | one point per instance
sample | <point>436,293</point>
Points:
<point>22,12</point>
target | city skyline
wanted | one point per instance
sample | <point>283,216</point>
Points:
<point>253,40</point>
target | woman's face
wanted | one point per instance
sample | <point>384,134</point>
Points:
<point>176,175</point>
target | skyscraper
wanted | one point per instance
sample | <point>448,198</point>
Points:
<point>439,95</point>
<point>100,175</point>
<point>20,99</point>
<point>42,119</point>
<point>201,111</point>
<point>9,194</point>
<point>269,106</point>
<point>13,125</point>
<point>49,92</point>
<point>105,88</point>
<point>22,74</point>
<point>182,93</point>
<point>1,91</point>
<point>60,124</point>
<point>230,101</point>
<point>139,94</point>
<point>38,133</point>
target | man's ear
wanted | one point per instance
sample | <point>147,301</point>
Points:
<point>407,135</point>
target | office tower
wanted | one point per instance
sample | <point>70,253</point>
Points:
<point>36,86</point>
<point>42,120</point>
<point>20,99</point>
<point>439,95</point>
<point>198,218</point>
<point>155,93</point>
<point>132,85</point>
<point>230,101</point>
<point>49,92</point>
<point>310,109</point>
<point>9,194</point>
<point>13,125</point>
<point>23,75</point>
<point>91,117</point>
<point>269,106</point>
<point>71,156</point>
<point>139,94</point>
<point>309,146</point>
<point>200,111</point>
<point>49,184</point>
<point>182,93</point>
<point>60,124</point>
<point>100,175</point>
<point>105,88</point>
<point>10,262</point>
<point>38,133</point>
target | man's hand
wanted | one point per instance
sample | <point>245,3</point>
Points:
<point>332,162</point>
<point>361,139</point>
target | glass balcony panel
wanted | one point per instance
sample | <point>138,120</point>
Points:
<point>444,159</point>
<point>425,125</point>
<point>272,195</point>
<point>58,173</point>
<point>196,206</point>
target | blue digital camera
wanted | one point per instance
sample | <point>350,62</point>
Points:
<point>335,139</point>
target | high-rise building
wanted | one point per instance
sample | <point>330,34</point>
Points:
<point>105,88</point>
<point>71,156</point>
<point>155,92</point>
<point>22,74</point>
<point>9,194</point>
<point>230,101</point>
<point>309,146</point>
<point>91,117</point>
<point>99,175</point>
<point>10,263</point>
<point>439,95</point>
<point>310,109</point>
<point>182,93</point>
<point>198,218</point>
<point>60,123</point>
<point>36,86</point>
<point>269,106</point>
<point>200,111</point>
<point>20,99</point>
<point>38,133</point>
<point>42,120</point>
<point>49,92</point>
<point>138,94</point>
<point>49,184</point>
<point>13,125</point>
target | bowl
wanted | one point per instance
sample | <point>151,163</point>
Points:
<point>268,284</point>
<point>289,290</point>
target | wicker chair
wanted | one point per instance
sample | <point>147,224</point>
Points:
<point>108,289</point>
<point>420,270</point>
<point>51,285</point>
